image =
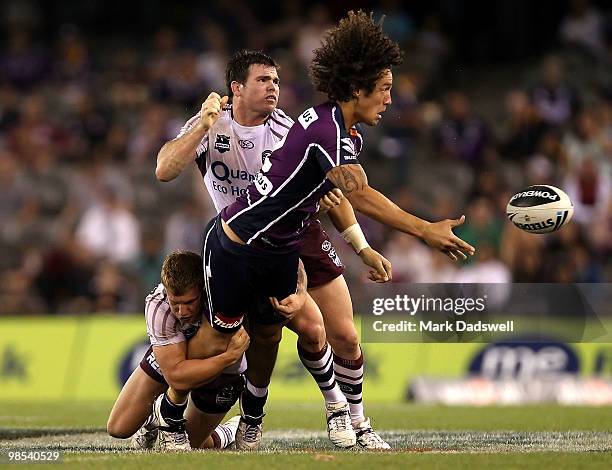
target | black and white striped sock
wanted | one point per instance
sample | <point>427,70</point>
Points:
<point>349,375</point>
<point>320,365</point>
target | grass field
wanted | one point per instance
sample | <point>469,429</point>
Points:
<point>422,437</point>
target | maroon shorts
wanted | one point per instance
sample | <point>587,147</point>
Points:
<point>217,396</point>
<point>321,262</point>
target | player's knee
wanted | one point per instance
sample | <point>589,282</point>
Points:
<point>267,335</point>
<point>115,429</point>
<point>312,337</point>
<point>345,343</point>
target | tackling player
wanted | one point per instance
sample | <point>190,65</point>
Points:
<point>185,355</point>
<point>173,315</point>
<point>229,144</point>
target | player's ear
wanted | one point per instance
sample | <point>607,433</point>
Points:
<point>236,87</point>
<point>355,92</point>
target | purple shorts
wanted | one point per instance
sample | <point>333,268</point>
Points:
<point>217,396</point>
<point>321,262</point>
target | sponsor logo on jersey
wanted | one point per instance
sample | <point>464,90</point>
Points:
<point>349,147</point>
<point>265,154</point>
<point>224,173</point>
<point>222,143</point>
<point>331,252</point>
<point>334,257</point>
<point>308,117</point>
<point>225,322</point>
<point>246,144</point>
<point>263,184</point>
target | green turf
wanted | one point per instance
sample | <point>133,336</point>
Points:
<point>425,437</point>
<point>310,416</point>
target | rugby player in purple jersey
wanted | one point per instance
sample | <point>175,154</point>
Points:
<point>253,247</point>
<point>229,143</point>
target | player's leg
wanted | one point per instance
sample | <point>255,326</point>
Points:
<point>261,358</point>
<point>322,266</point>
<point>316,356</point>
<point>208,342</point>
<point>335,302</point>
<point>231,281</point>
<point>273,276</point>
<point>133,406</point>
<point>208,406</point>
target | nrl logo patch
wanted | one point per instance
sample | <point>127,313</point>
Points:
<point>222,143</point>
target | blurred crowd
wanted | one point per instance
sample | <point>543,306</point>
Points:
<point>85,225</point>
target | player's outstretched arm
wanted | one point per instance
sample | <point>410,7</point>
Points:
<point>176,154</point>
<point>186,374</point>
<point>353,182</point>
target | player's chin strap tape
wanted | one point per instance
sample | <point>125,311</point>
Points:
<point>355,237</point>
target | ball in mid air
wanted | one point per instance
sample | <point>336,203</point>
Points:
<point>540,209</point>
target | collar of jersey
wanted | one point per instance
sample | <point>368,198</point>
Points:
<point>246,128</point>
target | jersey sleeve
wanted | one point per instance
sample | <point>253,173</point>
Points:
<point>203,145</point>
<point>162,327</point>
<point>330,145</point>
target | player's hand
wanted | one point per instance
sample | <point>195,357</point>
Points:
<point>289,306</point>
<point>382,271</point>
<point>330,200</point>
<point>439,235</point>
<point>211,110</point>
<point>238,344</point>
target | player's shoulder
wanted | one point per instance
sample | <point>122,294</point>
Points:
<point>321,121</point>
<point>278,123</point>
<point>225,118</point>
<point>281,116</point>
<point>158,294</point>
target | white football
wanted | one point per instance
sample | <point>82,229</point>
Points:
<point>540,209</point>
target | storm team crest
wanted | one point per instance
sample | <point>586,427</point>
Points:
<point>222,143</point>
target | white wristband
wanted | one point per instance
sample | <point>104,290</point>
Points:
<point>355,237</point>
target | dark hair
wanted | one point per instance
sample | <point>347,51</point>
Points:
<point>352,57</point>
<point>181,271</point>
<point>237,69</point>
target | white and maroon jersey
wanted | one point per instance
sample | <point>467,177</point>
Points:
<point>230,155</point>
<point>277,207</point>
<point>163,327</point>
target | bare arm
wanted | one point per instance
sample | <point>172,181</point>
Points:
<point>186,374</point>
<point>342,215</point>
<point>343,218</point>
<point>176,154</point>
<point>353,182</point>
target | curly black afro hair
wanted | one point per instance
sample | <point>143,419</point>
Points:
<point>352,57</point>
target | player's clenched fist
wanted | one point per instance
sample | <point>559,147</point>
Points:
<point>238,344</point>
<point>211,110</point>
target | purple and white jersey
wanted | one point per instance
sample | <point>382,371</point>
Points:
<point>282,199</point>
<point>163,327</point>
<point>230,155</point>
